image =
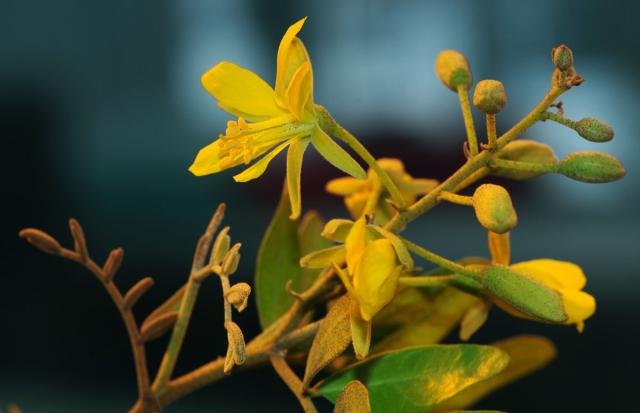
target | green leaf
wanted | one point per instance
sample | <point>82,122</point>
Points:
<point>418,379</point>
<point>353,399</point>
<point>337,156</point>
<point>310,240</point>
<point>332,339</point>
<point>277,263</point>
<point>527,353</point>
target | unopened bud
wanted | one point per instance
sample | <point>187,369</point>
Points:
<point>591,167</point>
<point>238,295</point>
<point>41,240</point>
<point>562,57</point>
<point>453,70</point>
<point>522,293</point>
<point>524,151</point>
<point>594,130</point>
<point>489,96</point>
<point>220,246</point>
<point>231,260</point>
<point>493,207</point>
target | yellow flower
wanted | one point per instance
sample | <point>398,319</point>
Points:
<point>564,278</point>
<point>374,260</point>
<point>269,120</point>
<point>356,192</point>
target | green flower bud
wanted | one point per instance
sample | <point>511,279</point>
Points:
<point>525,151</point>
<point>592,167</point>
<point>522,293</point>
<point>453,70</point>
<point>594,130</point>
<point>562,57</point>
<point>489,96</point>
<point>494,209</point>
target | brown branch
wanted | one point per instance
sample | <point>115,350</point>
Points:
<point>80,255</point>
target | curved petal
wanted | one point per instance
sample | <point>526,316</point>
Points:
<point>345,186</point>
<point>557,274</point>
<point>579,306</point>
<point>376,278</point>
<point>291,54</point>
<point>257,169</point>
<point>355,244</point>
<point>337,156</point>
<point>300,93</point>
<point>208,160</point>
<point>241,92</point>
<point>294,171</point>
<point>418,186</point>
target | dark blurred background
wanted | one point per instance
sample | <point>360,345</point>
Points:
<point>101,113</point>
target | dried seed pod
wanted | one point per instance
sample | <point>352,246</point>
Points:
<point>41,240</point>
<point>158,327</point>
<point>453,70</point>
<point>493,207</point>
<point>238,295</point>
<point>236,342</point>
<point>136,292</point>
<point>591,167</point>
<point>112,264</point>
<point>489,96</point>
<point>594,130</point>
<point>78,236</point>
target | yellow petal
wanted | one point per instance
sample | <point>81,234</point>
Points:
<point>376,277</point>
<point>257,169</point>
<point>291,55</point>
<point>578,305</point>
<point>294,172</point>
<point>241,92</point>
<point>355,203</point>
<point>300,93</point>
<point>346,185</point>
<point>355,244</point>
<point>500,248</point>
<point>208,160</point>
<point>556,274</point>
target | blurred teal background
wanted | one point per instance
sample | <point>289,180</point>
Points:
<point>101,113</point>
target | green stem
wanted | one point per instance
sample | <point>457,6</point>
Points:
<point>492,135</point>
<point>177,336</point>
<point>441,261</point>
<point>558,119</point>
<point>427,281</point>
<point>463,94</point>
<point>523,166</point>
<point>475,163</point>
<point>330,125</point>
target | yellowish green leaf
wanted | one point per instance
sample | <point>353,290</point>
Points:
<point>416,380</point>
<point>528,354</point>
